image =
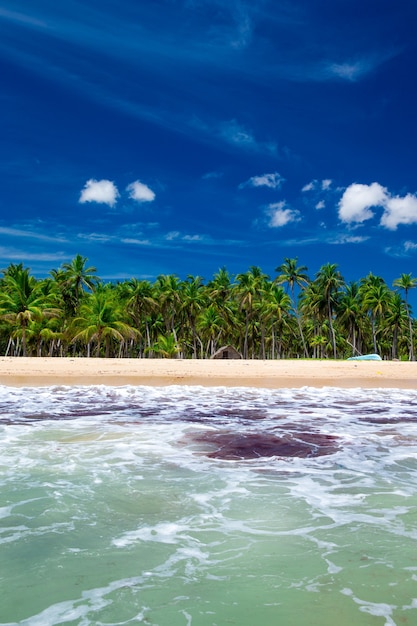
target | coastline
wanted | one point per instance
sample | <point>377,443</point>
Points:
<point>45,371</point>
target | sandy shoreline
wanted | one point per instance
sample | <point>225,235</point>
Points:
<point>33,372</point>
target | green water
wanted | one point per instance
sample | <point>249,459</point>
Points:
<point>105,524</point>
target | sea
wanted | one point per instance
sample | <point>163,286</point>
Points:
<point>196,506</point>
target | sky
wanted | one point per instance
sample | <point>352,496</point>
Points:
<point>182,136</point>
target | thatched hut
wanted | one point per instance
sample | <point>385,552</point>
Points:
<point>227,352</point>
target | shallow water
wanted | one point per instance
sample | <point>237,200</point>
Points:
<point>182,506</point>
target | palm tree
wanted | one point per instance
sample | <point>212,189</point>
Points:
<point>211,326</point>
<point>395,320</point>
<point>375,300</point>
<point>23,300</point>
<point>294,276</point>
<point>140,302</point>
<point>220,292</point>
<point>194,299</point>
<point>348,310</point>
<point>166,346</point>
<point>329,280</point>
<point>100,318</point>
<point>406,282</point>
<point>73,277</point>
<point>249,290</point>
<point>168,295</point>
<point>275,312</point>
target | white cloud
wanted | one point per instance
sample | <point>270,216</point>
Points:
<point>281,216</point>
<point>320,205</point>
<point>399,211</point>
<point>175,235</point>
<point>136,242</point>
<point>193,238</point>
<point>310,186</point>
<point>342,239</point>
<point>102,191</point>
<point>97,237</point>
<point>410,245</point>
<point>324,185</point>
<point>140,192</point>
<point>273,181</point>
<point>358,199</point>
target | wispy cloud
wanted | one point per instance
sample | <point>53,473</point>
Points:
<point>30,234</point>
<point>231,23</point>
<point>15,254</point>
<point>22,18</point>
<point>100,191</point>
<point>272,181</point>
<point>348,71</point>
<point>176,235</point>
<point>212,175</point>
<point>344,239</point>
<point>95,237</point>
<point>355,68</point>
<point>136,242</point>
<point>237,135</point>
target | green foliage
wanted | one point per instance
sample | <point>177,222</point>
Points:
<point>290,316</point>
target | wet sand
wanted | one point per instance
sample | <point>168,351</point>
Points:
<point>35,372</point>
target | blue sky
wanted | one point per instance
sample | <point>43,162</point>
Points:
<point>180,136</point>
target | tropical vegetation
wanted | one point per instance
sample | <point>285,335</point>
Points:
<point>73,312</point>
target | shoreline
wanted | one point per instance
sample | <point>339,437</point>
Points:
<point>46,371</point>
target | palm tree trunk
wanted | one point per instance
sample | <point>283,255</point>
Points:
<point>410,332</point>
<point>300,330</point>
<point>329,306</point>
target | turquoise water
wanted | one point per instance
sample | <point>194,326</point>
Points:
<point>185,506</point>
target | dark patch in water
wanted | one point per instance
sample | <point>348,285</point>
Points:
<point>231,446</point>
<point>395,419</point>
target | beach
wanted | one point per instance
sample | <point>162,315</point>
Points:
<point>33,371</point>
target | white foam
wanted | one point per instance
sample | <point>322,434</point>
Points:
<point>118,460</point>
<point>378,609</point>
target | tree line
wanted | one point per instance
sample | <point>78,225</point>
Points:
<point>73,312</point>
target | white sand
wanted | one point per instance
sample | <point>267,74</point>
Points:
<point>272,374</point>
